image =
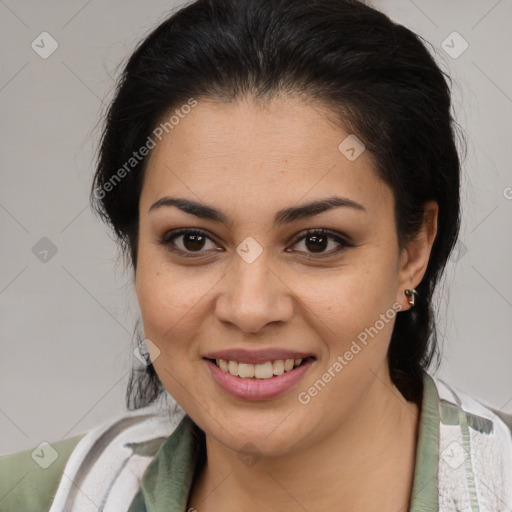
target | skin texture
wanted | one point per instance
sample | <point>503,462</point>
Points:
<point>354,442</point>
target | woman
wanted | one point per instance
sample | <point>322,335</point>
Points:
<point>284,180</point>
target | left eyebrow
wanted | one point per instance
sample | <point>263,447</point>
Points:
<point>314,208</point>
<point>285,216</point>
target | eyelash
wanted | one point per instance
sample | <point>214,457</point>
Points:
<point>168,239</point>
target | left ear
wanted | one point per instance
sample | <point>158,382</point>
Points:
<point>415,255</point>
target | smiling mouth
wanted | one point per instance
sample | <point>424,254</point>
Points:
<point>262,371</point>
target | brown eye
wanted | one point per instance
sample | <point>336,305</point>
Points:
<point>318,241</point>
<point>187,242</point>
<point>193,241</point>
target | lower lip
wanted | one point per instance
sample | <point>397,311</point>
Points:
<point>258,389</point>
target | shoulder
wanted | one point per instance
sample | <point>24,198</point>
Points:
<point>475,451</point>
<point>479,416</point>
<point>506,418</point>
<point>108,460</point>
<point>29,479</point>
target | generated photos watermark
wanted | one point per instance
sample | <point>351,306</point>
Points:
<point>305,397</point>
<point>144,150</point>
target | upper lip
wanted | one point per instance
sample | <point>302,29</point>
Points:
<point>256,356</point>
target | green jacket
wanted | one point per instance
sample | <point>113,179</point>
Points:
<point>144,461</point>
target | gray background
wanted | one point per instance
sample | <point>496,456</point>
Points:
<point>66,340</point>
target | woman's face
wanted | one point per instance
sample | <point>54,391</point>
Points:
<point>256,284</point>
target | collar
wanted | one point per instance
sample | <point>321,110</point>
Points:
<point>168,480</point>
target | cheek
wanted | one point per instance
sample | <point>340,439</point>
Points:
<point>355,313</point>
<point>352,297</point>
<point>163,300</point>
<point>172,299</point>
<point>160,293</point>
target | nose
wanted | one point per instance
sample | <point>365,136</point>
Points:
<point>254,295</point>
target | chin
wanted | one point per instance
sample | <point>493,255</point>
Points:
<point>266,433</point>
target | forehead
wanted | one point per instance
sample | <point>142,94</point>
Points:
<point>241,153</point>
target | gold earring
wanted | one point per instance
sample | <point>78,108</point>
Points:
<point>410,293</point>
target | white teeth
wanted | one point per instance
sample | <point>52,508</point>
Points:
<point>278,367</point>
<point>245,370</point>
<point>264,370</point>
<point>233,368</point>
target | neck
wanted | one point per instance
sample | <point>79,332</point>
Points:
<point>365,464</point>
